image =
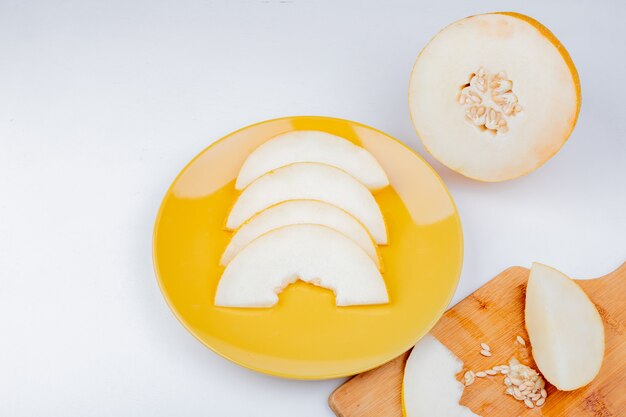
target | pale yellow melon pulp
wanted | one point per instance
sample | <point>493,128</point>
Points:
<point>310,181</point>
<point>565,329</point>
<point>429,385</point>
<point>312,253</point>
<point>313,146</point>
<point>301,212</point>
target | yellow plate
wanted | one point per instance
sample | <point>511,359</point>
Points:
<point>305,335</point>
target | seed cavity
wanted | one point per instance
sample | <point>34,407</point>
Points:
<point>489,100</point>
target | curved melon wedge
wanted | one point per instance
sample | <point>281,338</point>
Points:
<point>312,253</point>
<point>494,96</point>
<point>565,329</point>
<point>301,212</point>
<point>313,146</point>
<point>310,181</point>
<point>429,387</point>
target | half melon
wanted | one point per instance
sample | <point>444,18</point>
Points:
<point>494,96</point>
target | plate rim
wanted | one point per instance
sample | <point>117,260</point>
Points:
<point>392,355</point>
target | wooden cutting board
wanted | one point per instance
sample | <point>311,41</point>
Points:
<point>494,314</point>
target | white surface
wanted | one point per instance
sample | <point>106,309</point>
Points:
<point>101,105</point>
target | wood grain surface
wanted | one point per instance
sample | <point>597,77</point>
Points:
<point>494,314</point>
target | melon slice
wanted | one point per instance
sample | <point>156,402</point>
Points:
<point>494,96</point>
<point>301,212</point>
<point>429,387</point>
<point>565,329</point>
<point>313,146</point>
<point>310,181</point>
<point>310,252</point>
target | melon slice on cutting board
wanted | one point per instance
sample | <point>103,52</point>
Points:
<point>301,212</point>
<point>310,181</point>
<point>312,253</point>
<point>565,329</point>
<point>494,96</point>
<point>313,146</point>
<point>429,386</point>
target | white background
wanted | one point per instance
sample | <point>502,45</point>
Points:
<point>101,105</point>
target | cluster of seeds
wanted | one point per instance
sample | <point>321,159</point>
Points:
<point>525,384</point>
<point>487,102</point>
<point>522,382</point>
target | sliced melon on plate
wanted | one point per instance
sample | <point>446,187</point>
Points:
<point>313,146</point>
<point>565,329</point>
<point>429,386</point>
<point>312,253</point>
<point>310,181</point>
<point>301,212</point>
<point>494,96</point>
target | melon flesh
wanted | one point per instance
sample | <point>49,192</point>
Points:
<point>301,212</point>
<point>565,329</point>
<point>429,386</point>
<point>313,146</point>
<point>312,253</point>
<point>310,181</point>
<point>494,96</point>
